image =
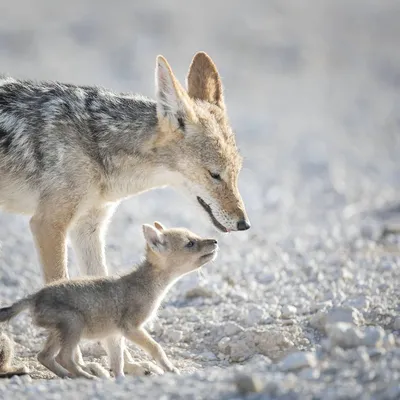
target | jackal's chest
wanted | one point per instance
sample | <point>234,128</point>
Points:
<point>138,179</point>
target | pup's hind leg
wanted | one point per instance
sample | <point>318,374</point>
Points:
<point>48,354</point>
<point>70,335</point>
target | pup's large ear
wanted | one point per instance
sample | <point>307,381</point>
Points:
<point>173,102</point>
<point>203,80</point>
<point>159,226</point>
<point>154,238</point>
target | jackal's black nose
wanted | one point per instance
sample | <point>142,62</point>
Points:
<point>243,225</point>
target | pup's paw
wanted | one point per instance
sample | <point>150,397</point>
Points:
<point>175,370</point>
<point>97,370</point>
<point>141,369</point>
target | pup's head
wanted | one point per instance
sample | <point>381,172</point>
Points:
<point>196,142</point>
<point>177,250</point>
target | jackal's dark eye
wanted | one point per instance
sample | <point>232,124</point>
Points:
<point>217,177</point>
<point>190,243</point>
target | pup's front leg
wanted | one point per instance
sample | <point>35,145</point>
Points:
<point>149,345</point>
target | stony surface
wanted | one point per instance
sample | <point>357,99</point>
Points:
<point>313,93</point>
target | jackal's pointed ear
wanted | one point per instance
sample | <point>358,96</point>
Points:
<point>203,80</point>
<point>172,100</point>
<point>159,226</point>
<point>154,238</point>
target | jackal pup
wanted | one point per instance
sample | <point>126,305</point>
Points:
<point>95,308</point>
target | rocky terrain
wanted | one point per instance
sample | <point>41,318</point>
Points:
<point>306,303</point>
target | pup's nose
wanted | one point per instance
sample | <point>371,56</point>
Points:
<point>243,225</point>
<point>215,241</point>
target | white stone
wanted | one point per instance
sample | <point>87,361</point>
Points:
<point>360,303</point>
<point>248,384</point>
<point>288,311</point>
<point>344,314</point>
<point>232,328</point>
<point>373,336</point>
<point>344,335</point>
<point>310,374</point>
<point>224,345</point>
<point>298,360</point>
<point>254,315</point>
<point>174,335</point>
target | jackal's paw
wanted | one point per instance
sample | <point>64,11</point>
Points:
<point>96,370</point>
<point>142,368</point>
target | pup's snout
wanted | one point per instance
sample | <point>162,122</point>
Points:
<point>243,225</point>
<point>211,242</point>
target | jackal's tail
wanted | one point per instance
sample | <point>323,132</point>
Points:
<point>6,313</point>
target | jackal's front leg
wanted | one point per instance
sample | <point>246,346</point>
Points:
<point>88,240</point>
<point>49,227</point>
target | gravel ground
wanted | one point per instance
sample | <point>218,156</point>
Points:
<point>306,303</point>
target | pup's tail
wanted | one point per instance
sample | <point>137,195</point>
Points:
<point>6,313</point>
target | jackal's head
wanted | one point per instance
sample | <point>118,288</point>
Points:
<point>197,143</point>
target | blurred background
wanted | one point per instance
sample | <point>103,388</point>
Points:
<point>312,89</point>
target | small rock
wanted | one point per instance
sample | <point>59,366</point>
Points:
<point>396,324</point>
<point>392,391</point>
<point>346,274</point>
<point>373,336</point>
<point>167,312</point>
<point>224,345</point>
<point>298,360</point>
<point>389,341</point>
<point>310,374</point>
<point>275,314</point>
<point>344,314</point>
<point>288,311</point>
<point>254,315</point>
<point>198,291</point>
<point>260,360</point>
<point>344,335</point>
<point>360,303</point>
<point>232,328</point>
<point>321,306</point>
<point>174,335</point>
<point>248,384</point>
<point>376,352</point>
<point>208,356</point>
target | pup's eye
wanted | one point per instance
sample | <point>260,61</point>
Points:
<point>215,176</point>
<point>190,243</point>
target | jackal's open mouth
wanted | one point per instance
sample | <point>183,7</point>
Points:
<point>207,208</point>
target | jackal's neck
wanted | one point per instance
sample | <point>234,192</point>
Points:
<point>132,162</point>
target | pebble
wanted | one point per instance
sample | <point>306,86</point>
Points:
<point>373,336</point>
<point>344,335</point>
<point>248,384</point>
<point>298,360</point>
<point>254,315</point>
<point>198,291</point>
<point>288,311</point>
<point>310,374</point>
<point>232,328</point>
<point>396,324</point>
<point>174,335</point>
<point>344,314</point>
